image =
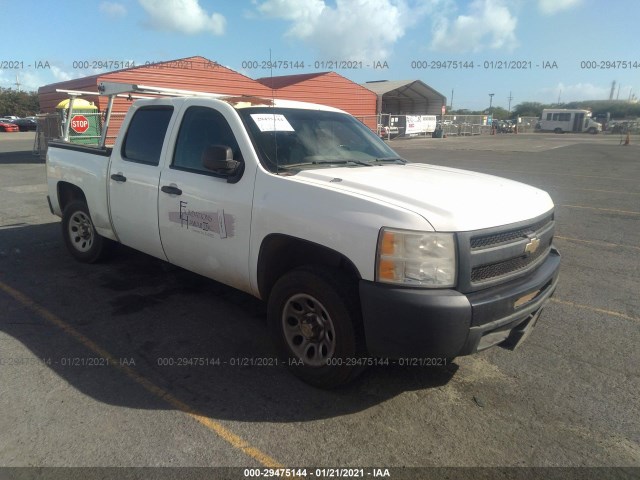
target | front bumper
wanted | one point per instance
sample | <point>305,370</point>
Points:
<point>410,322</point>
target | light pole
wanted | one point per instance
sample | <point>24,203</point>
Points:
<point>490,106</point>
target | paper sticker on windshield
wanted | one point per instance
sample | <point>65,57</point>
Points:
<point>272,122</point>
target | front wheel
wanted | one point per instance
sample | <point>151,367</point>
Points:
<point>314,317</point>
<point>80,236</point>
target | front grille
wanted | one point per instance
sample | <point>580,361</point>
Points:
<point>486,241</point>
<point>500,269</point>
<point>497,255</point>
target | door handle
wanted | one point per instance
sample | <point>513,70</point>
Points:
<point>118,177</point>
<point>171,190</point>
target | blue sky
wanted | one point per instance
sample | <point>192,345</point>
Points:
<point>46,41</point>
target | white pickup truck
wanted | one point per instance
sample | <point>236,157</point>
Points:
<point>364,258</point>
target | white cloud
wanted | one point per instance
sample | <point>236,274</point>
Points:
<point>183,16</point>
<point>489,24</point>
<point>549,7</point>
<point>304,15</point>
<point>62,76</point>
<point>352,29</point>
<point>576,92</point>
<point>113,10</point>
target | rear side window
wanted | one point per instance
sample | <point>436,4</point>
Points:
<point>145,135</point>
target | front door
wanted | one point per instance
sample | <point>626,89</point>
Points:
<point>204,220</point>
<point>578,121</point>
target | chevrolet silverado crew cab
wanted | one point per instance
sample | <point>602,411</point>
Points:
<point>359,254</point>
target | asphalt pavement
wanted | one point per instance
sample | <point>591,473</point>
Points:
<point>95,369</point>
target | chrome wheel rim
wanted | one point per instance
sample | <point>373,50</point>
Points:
<point>81,231</point>
<point>308,330</point>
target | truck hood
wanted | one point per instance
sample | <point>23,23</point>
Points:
<point>451,200</point>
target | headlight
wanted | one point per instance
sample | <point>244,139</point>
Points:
<point>421,259</point>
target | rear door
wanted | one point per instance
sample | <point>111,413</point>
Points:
<point>134,175</point>
<point>204,219</point>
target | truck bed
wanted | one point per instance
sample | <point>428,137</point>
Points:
<point>83,167</point>
<point>94,150</point>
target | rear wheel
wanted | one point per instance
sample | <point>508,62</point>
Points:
<point>314,317</point>
<point>557,130</point>
<point>592,131</point>
<point>80,236</point>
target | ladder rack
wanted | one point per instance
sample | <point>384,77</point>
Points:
<point>125,90</point>
<point>114,88</point>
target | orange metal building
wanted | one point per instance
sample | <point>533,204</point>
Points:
<point>192,73</point>
<point>203,75</point>
<point>327,88</point>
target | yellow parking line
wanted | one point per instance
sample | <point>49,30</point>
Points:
<point>594,309</point>
<point>595,242</point>
<point>628,212</point>
<point>223,432</point>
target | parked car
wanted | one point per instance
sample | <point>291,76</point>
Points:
<point>25,124</point>
<point>506,126</point>
<point>6,126</point>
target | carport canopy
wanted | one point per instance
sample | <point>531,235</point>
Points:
<point>406,97</point>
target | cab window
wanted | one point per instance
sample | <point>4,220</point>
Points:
<point>201,127</point>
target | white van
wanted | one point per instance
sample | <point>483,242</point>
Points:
<point>560,120</point>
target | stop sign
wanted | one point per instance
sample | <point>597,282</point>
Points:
<point>79,123</point>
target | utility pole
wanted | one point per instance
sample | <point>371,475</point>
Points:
<point>17,84</point>
<point>510,98</point>
<point>490,101</point>
<point>613,89</point>
<point>559,93</point>
<point>451,105</point>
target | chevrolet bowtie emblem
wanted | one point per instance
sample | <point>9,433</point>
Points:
<point>532,246</point>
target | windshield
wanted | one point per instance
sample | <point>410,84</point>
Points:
<point>289,139</point>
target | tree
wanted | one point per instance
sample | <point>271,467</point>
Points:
<point>499,113</point>
<point>20,104</point>
<point>529,109</point>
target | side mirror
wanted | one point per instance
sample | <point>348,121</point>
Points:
<point>219,158</point>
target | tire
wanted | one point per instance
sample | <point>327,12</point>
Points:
<point>558,130</point>
<point>80,236</point>
<point>314,318</point>
<point>592,131</point>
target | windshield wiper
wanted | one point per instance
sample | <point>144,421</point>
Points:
<point>326,162</point>
<point>391,159</point>
<point>340,162</point>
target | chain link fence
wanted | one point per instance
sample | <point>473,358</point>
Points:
<point>49,127</point>
<point>94,131</point>
<point>622,127</point>
<point>402,126</point>
<point>114,127</point>
<point>466,125</point>
<point>527,124</point>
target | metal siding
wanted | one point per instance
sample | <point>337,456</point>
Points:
<point>328,89</point>
<point>192,73</point>
<point>200,74</point>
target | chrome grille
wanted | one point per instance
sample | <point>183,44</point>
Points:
<point>499,269</point>
<point>497,255</point>
<point>485,241</point>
